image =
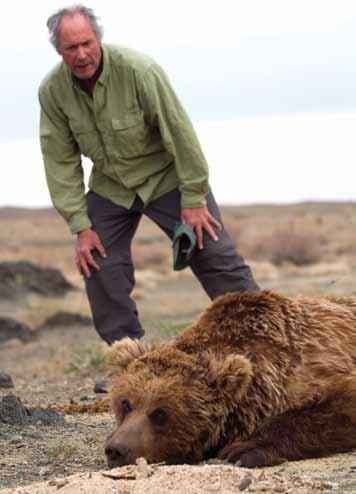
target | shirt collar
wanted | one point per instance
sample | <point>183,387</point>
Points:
<point>103,79</point>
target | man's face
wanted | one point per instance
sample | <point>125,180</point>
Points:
<point>79,46</point>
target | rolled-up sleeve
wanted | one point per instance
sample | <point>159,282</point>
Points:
<point>163,109</point>
<point>63,164</point>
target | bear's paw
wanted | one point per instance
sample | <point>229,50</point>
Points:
<point>250,454</point>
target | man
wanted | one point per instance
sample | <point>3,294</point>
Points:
<point>117,107</point>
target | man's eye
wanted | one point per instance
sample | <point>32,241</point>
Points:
<point>159,416</point>
<point>126,407</point>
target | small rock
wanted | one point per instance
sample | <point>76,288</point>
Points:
<point>43,462</point>
<point>141,461</point>
<point>143,469</point>
<point>280,488</point>
<point>59,483</point>
<point>263,486</point>
<point>12,410</point>
<point>45,417</point>
<point>214,485</point>
<point>6,380</point>
<point>33,435</point>
<point>101,386</point>
<point>215,461</point>
<point>44,471</point>
<point>245,482</point>
<point>16,439</point>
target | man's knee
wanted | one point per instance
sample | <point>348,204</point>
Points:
<point>219,254</point>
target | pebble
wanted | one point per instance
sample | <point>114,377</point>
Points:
<point>59,483</point>
<point>44,471</point>
<point>143,469</point>
<point>263,486</point>
<point>34,435</point>
<point>215,486</point>
<point>215,461</point>
<point>44,462</point>
<point>12,411</point>
<point>101,386</point>
<point>245,482</point>
<point>16,439</point>
<point>6,380</point>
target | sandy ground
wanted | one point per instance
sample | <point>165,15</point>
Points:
<point>222,479</point>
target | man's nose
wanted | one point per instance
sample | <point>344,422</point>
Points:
<point>81,53</point>
<point>117,454</point>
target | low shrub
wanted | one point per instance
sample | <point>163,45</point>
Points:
<point>298,243</point>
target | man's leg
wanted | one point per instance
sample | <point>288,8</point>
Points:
<point>218,266</point>
<point>114,312</point>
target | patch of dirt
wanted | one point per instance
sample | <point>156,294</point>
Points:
<point>36,452</point>
<point>195,479</point>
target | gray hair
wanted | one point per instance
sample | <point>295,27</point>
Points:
<point>54,22</point>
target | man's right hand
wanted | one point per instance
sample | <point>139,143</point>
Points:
<point>87,241</point>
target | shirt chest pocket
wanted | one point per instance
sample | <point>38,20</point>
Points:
<point>130,135</point>
<point>88,140</point>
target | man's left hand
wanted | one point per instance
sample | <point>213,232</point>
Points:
<point>200,219</point>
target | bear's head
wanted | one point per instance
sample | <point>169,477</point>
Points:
<point>171,406</point>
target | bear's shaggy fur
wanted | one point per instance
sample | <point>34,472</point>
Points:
<point>260,378</point>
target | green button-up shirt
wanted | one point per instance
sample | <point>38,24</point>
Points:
<point>134,130</point>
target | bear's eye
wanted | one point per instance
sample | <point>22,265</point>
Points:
<point>126,407</point>
<point>158,416</point>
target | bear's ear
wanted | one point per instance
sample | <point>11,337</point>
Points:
<point>123,352</point>
<point>231,374</point>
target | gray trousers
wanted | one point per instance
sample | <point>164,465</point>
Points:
<point>218,266</point>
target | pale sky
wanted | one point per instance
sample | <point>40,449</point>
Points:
<point>269,85</point>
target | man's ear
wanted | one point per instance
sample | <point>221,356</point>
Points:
<point>123,352</point>
<point>231,375</point>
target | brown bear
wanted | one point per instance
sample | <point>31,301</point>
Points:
<point>259,379</point>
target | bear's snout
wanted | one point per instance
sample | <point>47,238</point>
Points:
<point>117,454</point>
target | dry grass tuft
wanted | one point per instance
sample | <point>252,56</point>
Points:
<point>61,451</point>
<point>294,243</point>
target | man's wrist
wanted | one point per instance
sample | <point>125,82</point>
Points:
<point>193,203</point>
<point>83,231</point>
<point>79,223</point>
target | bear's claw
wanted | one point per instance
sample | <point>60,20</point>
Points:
<point>249,455</point>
